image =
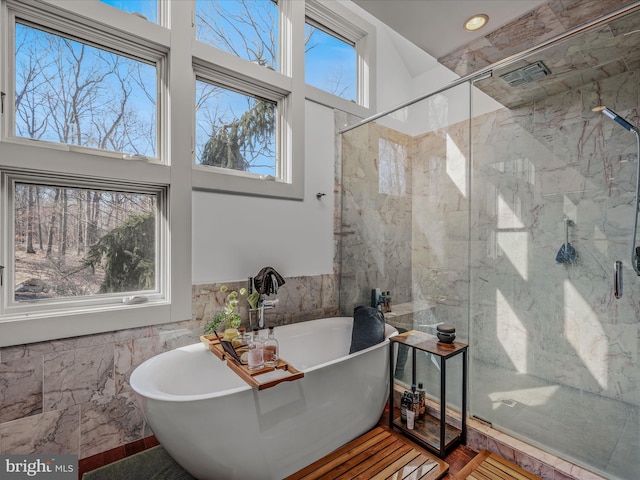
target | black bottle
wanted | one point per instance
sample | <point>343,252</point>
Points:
<point>405,403</point>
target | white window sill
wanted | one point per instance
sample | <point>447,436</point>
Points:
<point>217,180</point>
<point>28,328</point>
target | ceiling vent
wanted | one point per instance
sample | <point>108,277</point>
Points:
<point>526,74</point>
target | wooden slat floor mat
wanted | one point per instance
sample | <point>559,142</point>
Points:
<point>378,454</point>
<point>489,466</point>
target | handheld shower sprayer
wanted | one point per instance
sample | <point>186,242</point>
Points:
<point>615,117</point>
<point>635,251</point>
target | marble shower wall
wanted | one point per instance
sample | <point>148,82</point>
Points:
<point>72,396</point>
<point>439,251</point>
<point>483,244</point>
<point>405,218</point>
<point>376,215</point>
<point>534,165</point>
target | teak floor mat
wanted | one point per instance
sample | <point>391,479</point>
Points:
<point>489,466</point>
<point>378,454</point>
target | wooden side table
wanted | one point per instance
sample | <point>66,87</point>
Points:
<point>434,434</point>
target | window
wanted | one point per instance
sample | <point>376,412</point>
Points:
<point>339,57</point>
<point>147,9</point>
<point>330,62</point>
<point>246,115</point>
<point>393,167</point>
<point>235,130</point>
<point>245,28</point>
<point>74,246</point>
<point>89,86</point>
<point>74,93</point>
<point>84,243</point>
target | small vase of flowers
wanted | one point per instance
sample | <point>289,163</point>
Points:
<point>229,318</point>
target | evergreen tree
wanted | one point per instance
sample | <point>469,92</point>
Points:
<point>128,254</point>
<point>230,145</point>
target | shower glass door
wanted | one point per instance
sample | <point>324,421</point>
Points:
<point>554,353</point>
<point>500,209</point>
<point>405,223</point>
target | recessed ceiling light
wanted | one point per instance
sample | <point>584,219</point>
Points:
<point>476,22</point>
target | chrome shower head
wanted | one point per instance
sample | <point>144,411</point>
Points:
<point>617,118</point>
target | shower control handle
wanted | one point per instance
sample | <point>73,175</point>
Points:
<point>617,279</point>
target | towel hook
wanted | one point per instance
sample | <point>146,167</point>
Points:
<point>320,195</point>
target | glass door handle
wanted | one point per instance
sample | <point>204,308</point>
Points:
<point>617,279</point>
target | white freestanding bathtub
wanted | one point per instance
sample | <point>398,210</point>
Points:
<point>217,427</point>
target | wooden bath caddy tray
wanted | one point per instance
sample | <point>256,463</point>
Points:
<point>266,377</point>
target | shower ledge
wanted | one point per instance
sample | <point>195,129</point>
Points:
<point>402,315</point>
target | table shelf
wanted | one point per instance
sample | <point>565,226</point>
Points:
<point>427,431</point>
<point>433,433</point>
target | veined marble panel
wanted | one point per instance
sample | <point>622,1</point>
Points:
<point>375,243</point>
<point>549,20</point>
<point>55,431</point>
<point>562,318</point>
<point>556,327</point>
<point>20,388</point>
<point>74,377</point>
<point>109,421</point>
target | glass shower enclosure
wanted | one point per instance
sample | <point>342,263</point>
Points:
<point>499,206</point>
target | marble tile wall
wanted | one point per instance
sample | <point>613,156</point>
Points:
<point>72,395</point>
<point>532,167</point>
<point>376,215</point>
<point>557,327</point>
<point>440,263</point>
<point>410,234</point>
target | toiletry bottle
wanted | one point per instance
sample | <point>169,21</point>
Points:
<point>415,400</point>
<point>246,340</point>
<point>256,352</point>
<point>388,301</point>
<point>238,340</point>
<point>423,399</point>
<point>405,404</point>
<point>271,350</point>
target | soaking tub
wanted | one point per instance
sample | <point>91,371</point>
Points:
<point>217,427</point>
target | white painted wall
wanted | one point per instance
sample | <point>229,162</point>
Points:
<point>235,236</point>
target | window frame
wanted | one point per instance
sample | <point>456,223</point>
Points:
<point>285,89</point>
<point>278,59</point>
<point>108,25</point>
<point>249,89</point>
<point>174,33</point>
<point>10,308</point>
<point>343,24</point>
<point>67,27</point>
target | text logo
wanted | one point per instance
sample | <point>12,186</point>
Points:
<point>50,467</point>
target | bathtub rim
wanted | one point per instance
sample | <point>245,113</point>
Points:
<point>154,394</point>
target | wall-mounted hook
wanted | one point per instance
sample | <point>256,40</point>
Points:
<point>320,195</point>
